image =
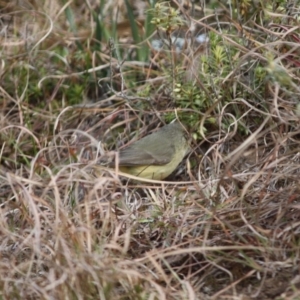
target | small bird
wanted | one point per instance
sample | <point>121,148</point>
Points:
<point>156,155</point>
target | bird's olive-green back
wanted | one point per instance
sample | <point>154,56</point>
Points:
<point>158,148</point>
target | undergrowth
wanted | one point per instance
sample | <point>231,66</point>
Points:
<point>79,80</point>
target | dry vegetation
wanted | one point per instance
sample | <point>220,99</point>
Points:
<point>225,225</point>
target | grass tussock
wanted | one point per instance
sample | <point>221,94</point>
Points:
<point>81,80</point>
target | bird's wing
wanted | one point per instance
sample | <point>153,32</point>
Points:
<point>132,156</point>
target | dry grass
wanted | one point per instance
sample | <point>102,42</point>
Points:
<point>225,225</point>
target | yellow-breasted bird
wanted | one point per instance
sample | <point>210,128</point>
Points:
<point>156,155</point>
